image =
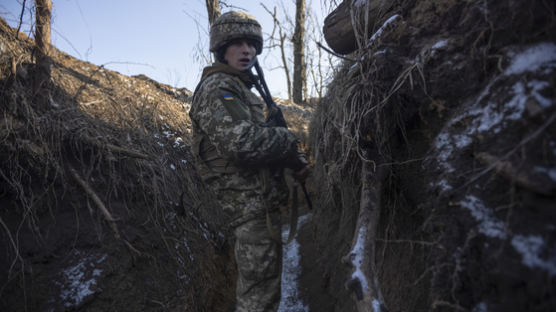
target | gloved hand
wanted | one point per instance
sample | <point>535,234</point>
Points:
<point>300,167</point>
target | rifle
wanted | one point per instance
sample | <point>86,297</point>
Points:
<point>275,117</point>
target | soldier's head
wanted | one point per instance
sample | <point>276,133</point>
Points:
<point>236,39</point>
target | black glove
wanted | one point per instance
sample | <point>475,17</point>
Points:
<point>300,166</point>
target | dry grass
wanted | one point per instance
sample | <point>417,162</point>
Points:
<point>126,137</point>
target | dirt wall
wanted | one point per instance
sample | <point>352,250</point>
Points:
<point>100,205</point>
<point>456,100</point>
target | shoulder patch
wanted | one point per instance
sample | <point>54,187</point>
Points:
<point>234,105</point>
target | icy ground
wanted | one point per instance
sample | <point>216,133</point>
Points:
<point>79,281</point>
<point>291,269</point>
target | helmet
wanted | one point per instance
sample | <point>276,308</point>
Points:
<point>235,25</point>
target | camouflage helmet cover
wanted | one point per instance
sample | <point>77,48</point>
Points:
<point>235,25</point>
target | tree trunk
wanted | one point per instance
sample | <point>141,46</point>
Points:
<point>213,9</point>
<point>285,62</point>
<point>42,44</point>
<point>339,25</point>
<point>299,70</point>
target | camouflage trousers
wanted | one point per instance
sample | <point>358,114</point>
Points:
<point>259,265</point>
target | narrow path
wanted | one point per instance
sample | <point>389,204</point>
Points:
<point>291,270</point>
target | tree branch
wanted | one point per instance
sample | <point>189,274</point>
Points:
<point>334,53</point>
<point>20,19</point>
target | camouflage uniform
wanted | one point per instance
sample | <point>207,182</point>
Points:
<point>234,152</point>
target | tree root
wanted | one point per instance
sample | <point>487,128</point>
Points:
<point>92,194</point>
<point>520,177</point>
<point>116,149</point>
<point>363,281</point>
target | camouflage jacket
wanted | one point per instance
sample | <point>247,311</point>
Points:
<point>231,145</point>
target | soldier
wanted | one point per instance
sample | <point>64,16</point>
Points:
<point>237,156</point>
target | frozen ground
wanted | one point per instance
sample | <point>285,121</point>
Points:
<point>291,269</point>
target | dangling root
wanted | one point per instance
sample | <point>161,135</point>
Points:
<point>362,254</point>
<point>107,215</point>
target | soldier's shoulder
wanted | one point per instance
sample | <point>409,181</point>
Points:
<point>219,81</point>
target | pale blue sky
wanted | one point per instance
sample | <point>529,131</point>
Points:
<point>155,38</point>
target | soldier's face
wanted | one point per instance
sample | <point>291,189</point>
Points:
<point>239,54</point>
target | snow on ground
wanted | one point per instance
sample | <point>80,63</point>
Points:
<point>291,269</point>
<point>481,307</point>
<point>444,146</point>
<point>530,248</point>
<point>379,32</point>
<point>498,105</point>
<point>488,224</point>
<point>79,281</point>
<point>532,59</point>
<point>550,172</point>
<point>440,44</point>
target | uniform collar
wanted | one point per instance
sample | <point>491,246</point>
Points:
<point>218,67</point>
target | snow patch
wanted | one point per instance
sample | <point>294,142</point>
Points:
<point>440,44</point>
<point>532,59</point>
<point>492,116</point>
<point>437,46</point>
<point>79,280</point>
<point>444,186</point>
<point>172,167</point>
<point>379,32</point>
<point>360,3</point>
<point>357,252</point>
<point>187,249</point>
<point>178,142</point>
<point>445,143</point>
<point>481,307</point>
<point>488,224</point>
<point>489,115</point>
<point>550,172</point>
<point>383,51</point>
<point>552,145</point>
<point>530,248</point>
<point>291,269</point>
<point>461,140</point>
<point>535,86</point>
<point>376,305</point>
<point>353,67</point>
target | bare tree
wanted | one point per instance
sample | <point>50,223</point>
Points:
<point>282,45</point>
<point>213,10</point>
<point>299,66</point>
<point>314,57</point>
<point>317,65</point>
<point>42,43</point>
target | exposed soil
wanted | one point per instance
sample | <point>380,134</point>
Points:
<point>102,140</point>
<point>453,102</point>
<point>456,100</point>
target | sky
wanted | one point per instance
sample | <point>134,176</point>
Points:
<point>158,38</point>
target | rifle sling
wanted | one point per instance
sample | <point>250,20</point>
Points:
<point>293,211</point>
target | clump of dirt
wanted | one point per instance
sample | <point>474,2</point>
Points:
<point>455,99</point>
<point>101,208</point>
